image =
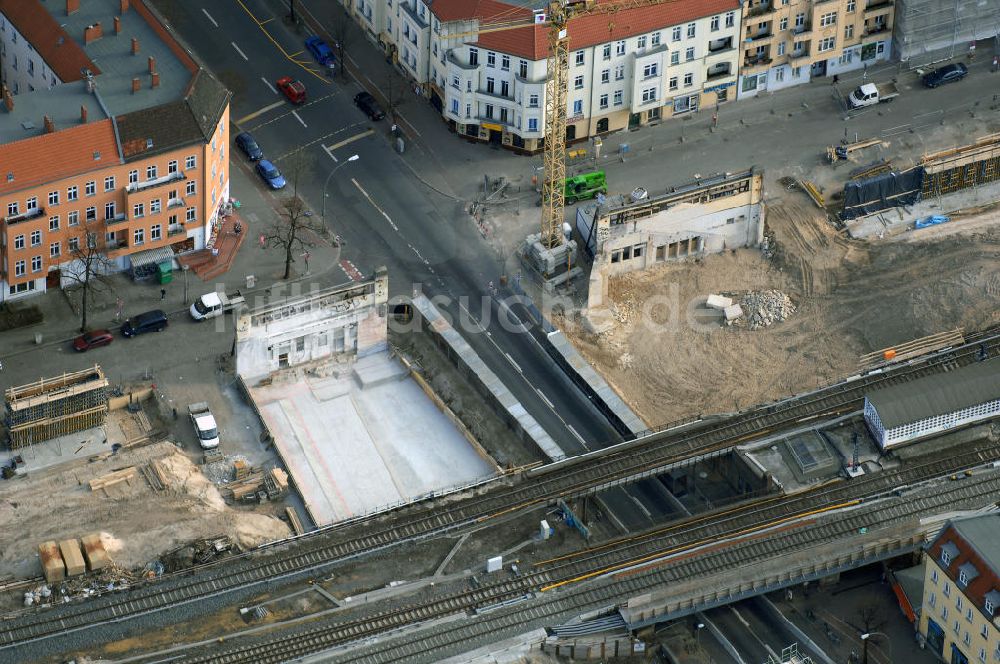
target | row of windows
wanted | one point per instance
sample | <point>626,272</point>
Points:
<point>90,188</point>
<point>110,210</point>
<point>937,421</point>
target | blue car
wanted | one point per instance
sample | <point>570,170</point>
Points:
<point>249,147</point>
<point>323,53</point>
<point>270,174</point>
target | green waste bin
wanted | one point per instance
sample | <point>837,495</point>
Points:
<point>165,272</point>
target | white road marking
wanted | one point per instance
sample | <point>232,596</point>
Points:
<point>511,360</point>
<point>544,398</point>
<point>268,84</point>
<point>240,52</point>
<point>205,11</point>
<point>296,114</point>
<point>329,154</point>
<point>374,205</point>
<point>573,431</point>
<point>251,116</point>
<point>356,137</point>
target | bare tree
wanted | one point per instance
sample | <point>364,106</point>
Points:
<point>343,31</point>
<point>89,270</point>
<point>286,232</point>
<point>393,91</point>
<point>872,619</point>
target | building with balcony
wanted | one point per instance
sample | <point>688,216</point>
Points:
<point>961,593</point>
<point>113,138</point>
<point>790,42</point>
<point>642,66</point>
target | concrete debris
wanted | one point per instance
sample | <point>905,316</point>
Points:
<point>225,470</point>
<point>719,302</point>
<point>764,308</point>
<point>768,245</point>
<point>623,311</point>
<point>733,313</point>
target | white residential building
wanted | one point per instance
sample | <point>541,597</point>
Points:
<point>652,63</point>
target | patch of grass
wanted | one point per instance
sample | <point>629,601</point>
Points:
<point>13,316</point>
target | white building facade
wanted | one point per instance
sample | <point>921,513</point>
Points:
<point>654,63</point>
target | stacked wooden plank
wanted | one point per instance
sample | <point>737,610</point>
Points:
<point>113,479</point>
<point>293,518</point>
<point>52,563</point>
<point>72,556</point>
<point>94,552</point>
<point>247,486</point>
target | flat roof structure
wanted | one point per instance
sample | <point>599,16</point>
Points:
<point>364,437</point>
<point>939,394</point>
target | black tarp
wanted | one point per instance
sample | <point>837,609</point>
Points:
<point>879,192</point>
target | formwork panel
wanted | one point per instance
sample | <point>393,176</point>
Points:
<point>53,407</point>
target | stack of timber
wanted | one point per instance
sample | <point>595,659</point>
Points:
<point>258,484</point>
<point>294,519</point>
<point>154,476</point>
<point>113,479</point>
<point>55,407</point>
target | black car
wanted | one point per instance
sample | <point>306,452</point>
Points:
<point>947,74</point>
<point>368,104</point>
<point>249,146</point>
<point>150,321</point>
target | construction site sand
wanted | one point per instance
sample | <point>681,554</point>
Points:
<point>851,298</point>
<point>136,523</point>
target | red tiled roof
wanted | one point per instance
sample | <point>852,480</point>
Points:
<point>52,157</point>
<point>464,10</point>
<point>585,31</point>
<point>61,53</point>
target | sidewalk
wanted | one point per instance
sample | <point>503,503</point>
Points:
<point>244,258</point>
<point>454,166</point>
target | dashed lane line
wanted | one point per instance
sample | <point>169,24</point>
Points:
<point>214,22</point>
<point>356,137</point>
<point>301,121</point>
<point>244,55</point>
<point>268,84</point>
<point>375,205</point>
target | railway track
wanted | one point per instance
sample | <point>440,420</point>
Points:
<point>740,546</point>
<point>567,479</point>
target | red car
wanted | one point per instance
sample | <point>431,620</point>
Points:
<point>92,339</point>
<point>294,90</point>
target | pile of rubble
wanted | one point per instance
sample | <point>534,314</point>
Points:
<point>764,308</point>
<point>225,469</point>
<point>623,311</point>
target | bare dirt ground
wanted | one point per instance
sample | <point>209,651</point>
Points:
<point>136,522</point>
<point>850,297</point>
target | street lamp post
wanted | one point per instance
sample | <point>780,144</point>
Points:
<point>329,177</point>
<point>185,269</point>
<point>866,637</point>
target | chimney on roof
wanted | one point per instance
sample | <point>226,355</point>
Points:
<point>136,84</point>
<point>50,128</point>
<point>154,79</point>
<point>8,99</point>
<point>92,33</point>
<point>118,25</point>
<point>124,6</point>
<point>83,114</point>
<point>72,6</point>
<point>135,46</point>
<point>152,64</point>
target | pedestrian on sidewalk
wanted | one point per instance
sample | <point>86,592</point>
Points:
<point>163,294</point>
<point>836,79</point>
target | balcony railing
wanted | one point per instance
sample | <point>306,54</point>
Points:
<point>117,219</point>
<point>720,45</point>
<point>757,61</point>
<point>761,9</point>
<point>505,97</point>
<point>875,29</point>
<point>717,75</point>
<point>802,29</point>
<point>27,215</point>
<point>461,65</point>
<point>876,5</point>
<point>798,55</point>
<point>175,202</point>
<point>421,22</point>
<point>155,182</point>
<point>175,230</point>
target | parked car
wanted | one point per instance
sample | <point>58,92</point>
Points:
<point>947,74</point>
<point>249,147</point>
<point>270,174</point>
<point>294,90</point>
<point>368,105</point>
<point>321,52</point>
<point>150,321</point>
<point>92,339</point>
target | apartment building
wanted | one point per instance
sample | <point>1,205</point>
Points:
<point>626,70</point>
<point>961,592</point>
<point>112,138</point>
<point>790,42</point>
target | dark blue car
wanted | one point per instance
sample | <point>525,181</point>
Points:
<point>249,147</point>
<point>321,52</point>
<point>269,173</point>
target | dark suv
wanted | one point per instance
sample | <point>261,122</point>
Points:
<point>947,74</point>
<point>151,321</point>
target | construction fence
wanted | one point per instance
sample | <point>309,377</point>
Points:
<point>51,407</point>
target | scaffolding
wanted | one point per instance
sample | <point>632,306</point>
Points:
<point>790,655</point>
<point>51,407</point>
<point>931,30</point>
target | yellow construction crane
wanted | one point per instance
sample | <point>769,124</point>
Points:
<point>556,18</point>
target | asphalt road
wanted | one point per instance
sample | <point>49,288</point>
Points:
<point>384,215</point>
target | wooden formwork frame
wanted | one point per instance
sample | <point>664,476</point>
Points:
<point>49,408</point>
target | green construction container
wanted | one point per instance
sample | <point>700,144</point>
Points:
<point>165,272</point>
<point>585,186</point>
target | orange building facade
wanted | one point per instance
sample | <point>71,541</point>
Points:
<point>140,169</point>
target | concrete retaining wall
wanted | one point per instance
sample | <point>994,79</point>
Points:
<point>489,386</point>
